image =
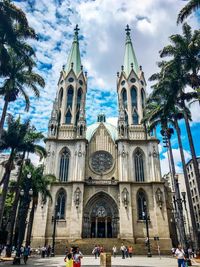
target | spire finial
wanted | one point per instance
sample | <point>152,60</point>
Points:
<point>76,29</point>
<point>127,30</point>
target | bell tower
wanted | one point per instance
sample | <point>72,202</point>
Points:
<point>131,86</point>
<point>68,115</point>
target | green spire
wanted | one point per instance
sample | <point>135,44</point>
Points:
<point>130,60</point>
<point>74,59</point>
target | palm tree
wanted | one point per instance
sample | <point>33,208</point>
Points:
<point>29,145</point>
<point>20,77</point>
<point>40,186</point>
<point>183,70</point>
<point>12,139</point>
<point>14,30</point>
<point>187,10</point>
<point>167,97</point>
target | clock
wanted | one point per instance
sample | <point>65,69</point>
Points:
<point>101,161</point>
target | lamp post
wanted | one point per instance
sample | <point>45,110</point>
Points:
<point>147,218</point>
<point>54,220</point>
<point>179,209</point>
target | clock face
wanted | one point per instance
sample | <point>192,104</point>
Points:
<point>101,161</point>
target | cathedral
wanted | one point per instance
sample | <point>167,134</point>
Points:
<point>107,178</point>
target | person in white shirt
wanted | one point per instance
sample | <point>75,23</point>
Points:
<point>180,256</point>
<point>114,249</point>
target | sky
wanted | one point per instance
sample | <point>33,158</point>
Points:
<point>102,42</point>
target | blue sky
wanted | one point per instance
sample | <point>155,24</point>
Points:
<point>102,40</point>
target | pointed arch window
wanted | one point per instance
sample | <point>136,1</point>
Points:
<point>143,98</point>
<point>135,118</point>
<point>59,117</point>
<point>60,98</point>
<point>141,204</point>
<point>68,117</point>
<point>124,98</point>
<point>61,199</point>
<point>139,166</point>
<point>70,93</point>
<point>134,97</point>
<point>126,117</point>
<point>64,165</point>
<point>79,97</point>
<point>77,117</point>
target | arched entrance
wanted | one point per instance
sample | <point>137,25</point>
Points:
<point>101,217</point>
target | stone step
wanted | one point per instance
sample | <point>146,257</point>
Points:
<point>86,245</point>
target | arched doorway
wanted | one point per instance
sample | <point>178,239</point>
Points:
<point>101,217</point>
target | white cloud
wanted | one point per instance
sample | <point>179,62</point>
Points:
<point>102,24</point>
<point>112,120</point>
<point>177,161</point>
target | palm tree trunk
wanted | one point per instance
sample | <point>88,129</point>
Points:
<point>172,163</point>
<point>194,226</point>
<point>3,117</point>
<point>30,224</point>
<point>5,184</point>
<point>193,153</point>
<point>14,207</point>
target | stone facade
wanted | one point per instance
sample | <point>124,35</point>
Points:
<point>108,177</point>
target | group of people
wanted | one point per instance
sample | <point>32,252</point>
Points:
<point>73,257</point>
<point>97,250</point>
<point>183,256</point>
<point>126,251</point>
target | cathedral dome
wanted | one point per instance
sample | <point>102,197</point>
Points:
<point>93,128</point>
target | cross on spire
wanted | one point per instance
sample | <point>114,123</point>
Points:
<point>76,29</point>
<point>127,30</point>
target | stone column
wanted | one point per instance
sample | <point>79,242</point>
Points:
<point>96,227</point>
<point>106,227</point>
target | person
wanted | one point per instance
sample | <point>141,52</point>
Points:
<point>48,250</point>
<point>43,251</point>
<point>69,260</point>
<point>101,249</point>
<point>130,251</point>
<point>95,251</point>
<point>126,251</point>
<point>114,250</point>
<point>26,254</point>
<point>123,249</point>
<point>180,256</point>
<point>77,258</point>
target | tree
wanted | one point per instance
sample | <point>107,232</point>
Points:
<point>29,145</point>
<point>20,77</point>
<point>183,70</point>
<point>40,185</point>
<point>12,139</point>
<point>14,30</point>
<point>187,10</point>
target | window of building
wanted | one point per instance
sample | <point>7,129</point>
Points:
<point>68,117</point>
<point>79,97</point>
<point>64,165</point>
<point>139,165</point>
<point>189,176</point>
<point>143,97</point>
<point>192,192</point>
<point>193,182</point>
<point>192,175</point>
<point>60,98</point>
<point>134,97</point>
<point>124,98</point>
<point>141,204</point>
<point>70,93</point>
<point>61,199</point>
<point>190,167</point>
<point>195,191</point>
<point>135,118</point>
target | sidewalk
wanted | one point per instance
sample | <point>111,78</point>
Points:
<point>136,261</point>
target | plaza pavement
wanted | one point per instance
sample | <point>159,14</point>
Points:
<point>136,261</point>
